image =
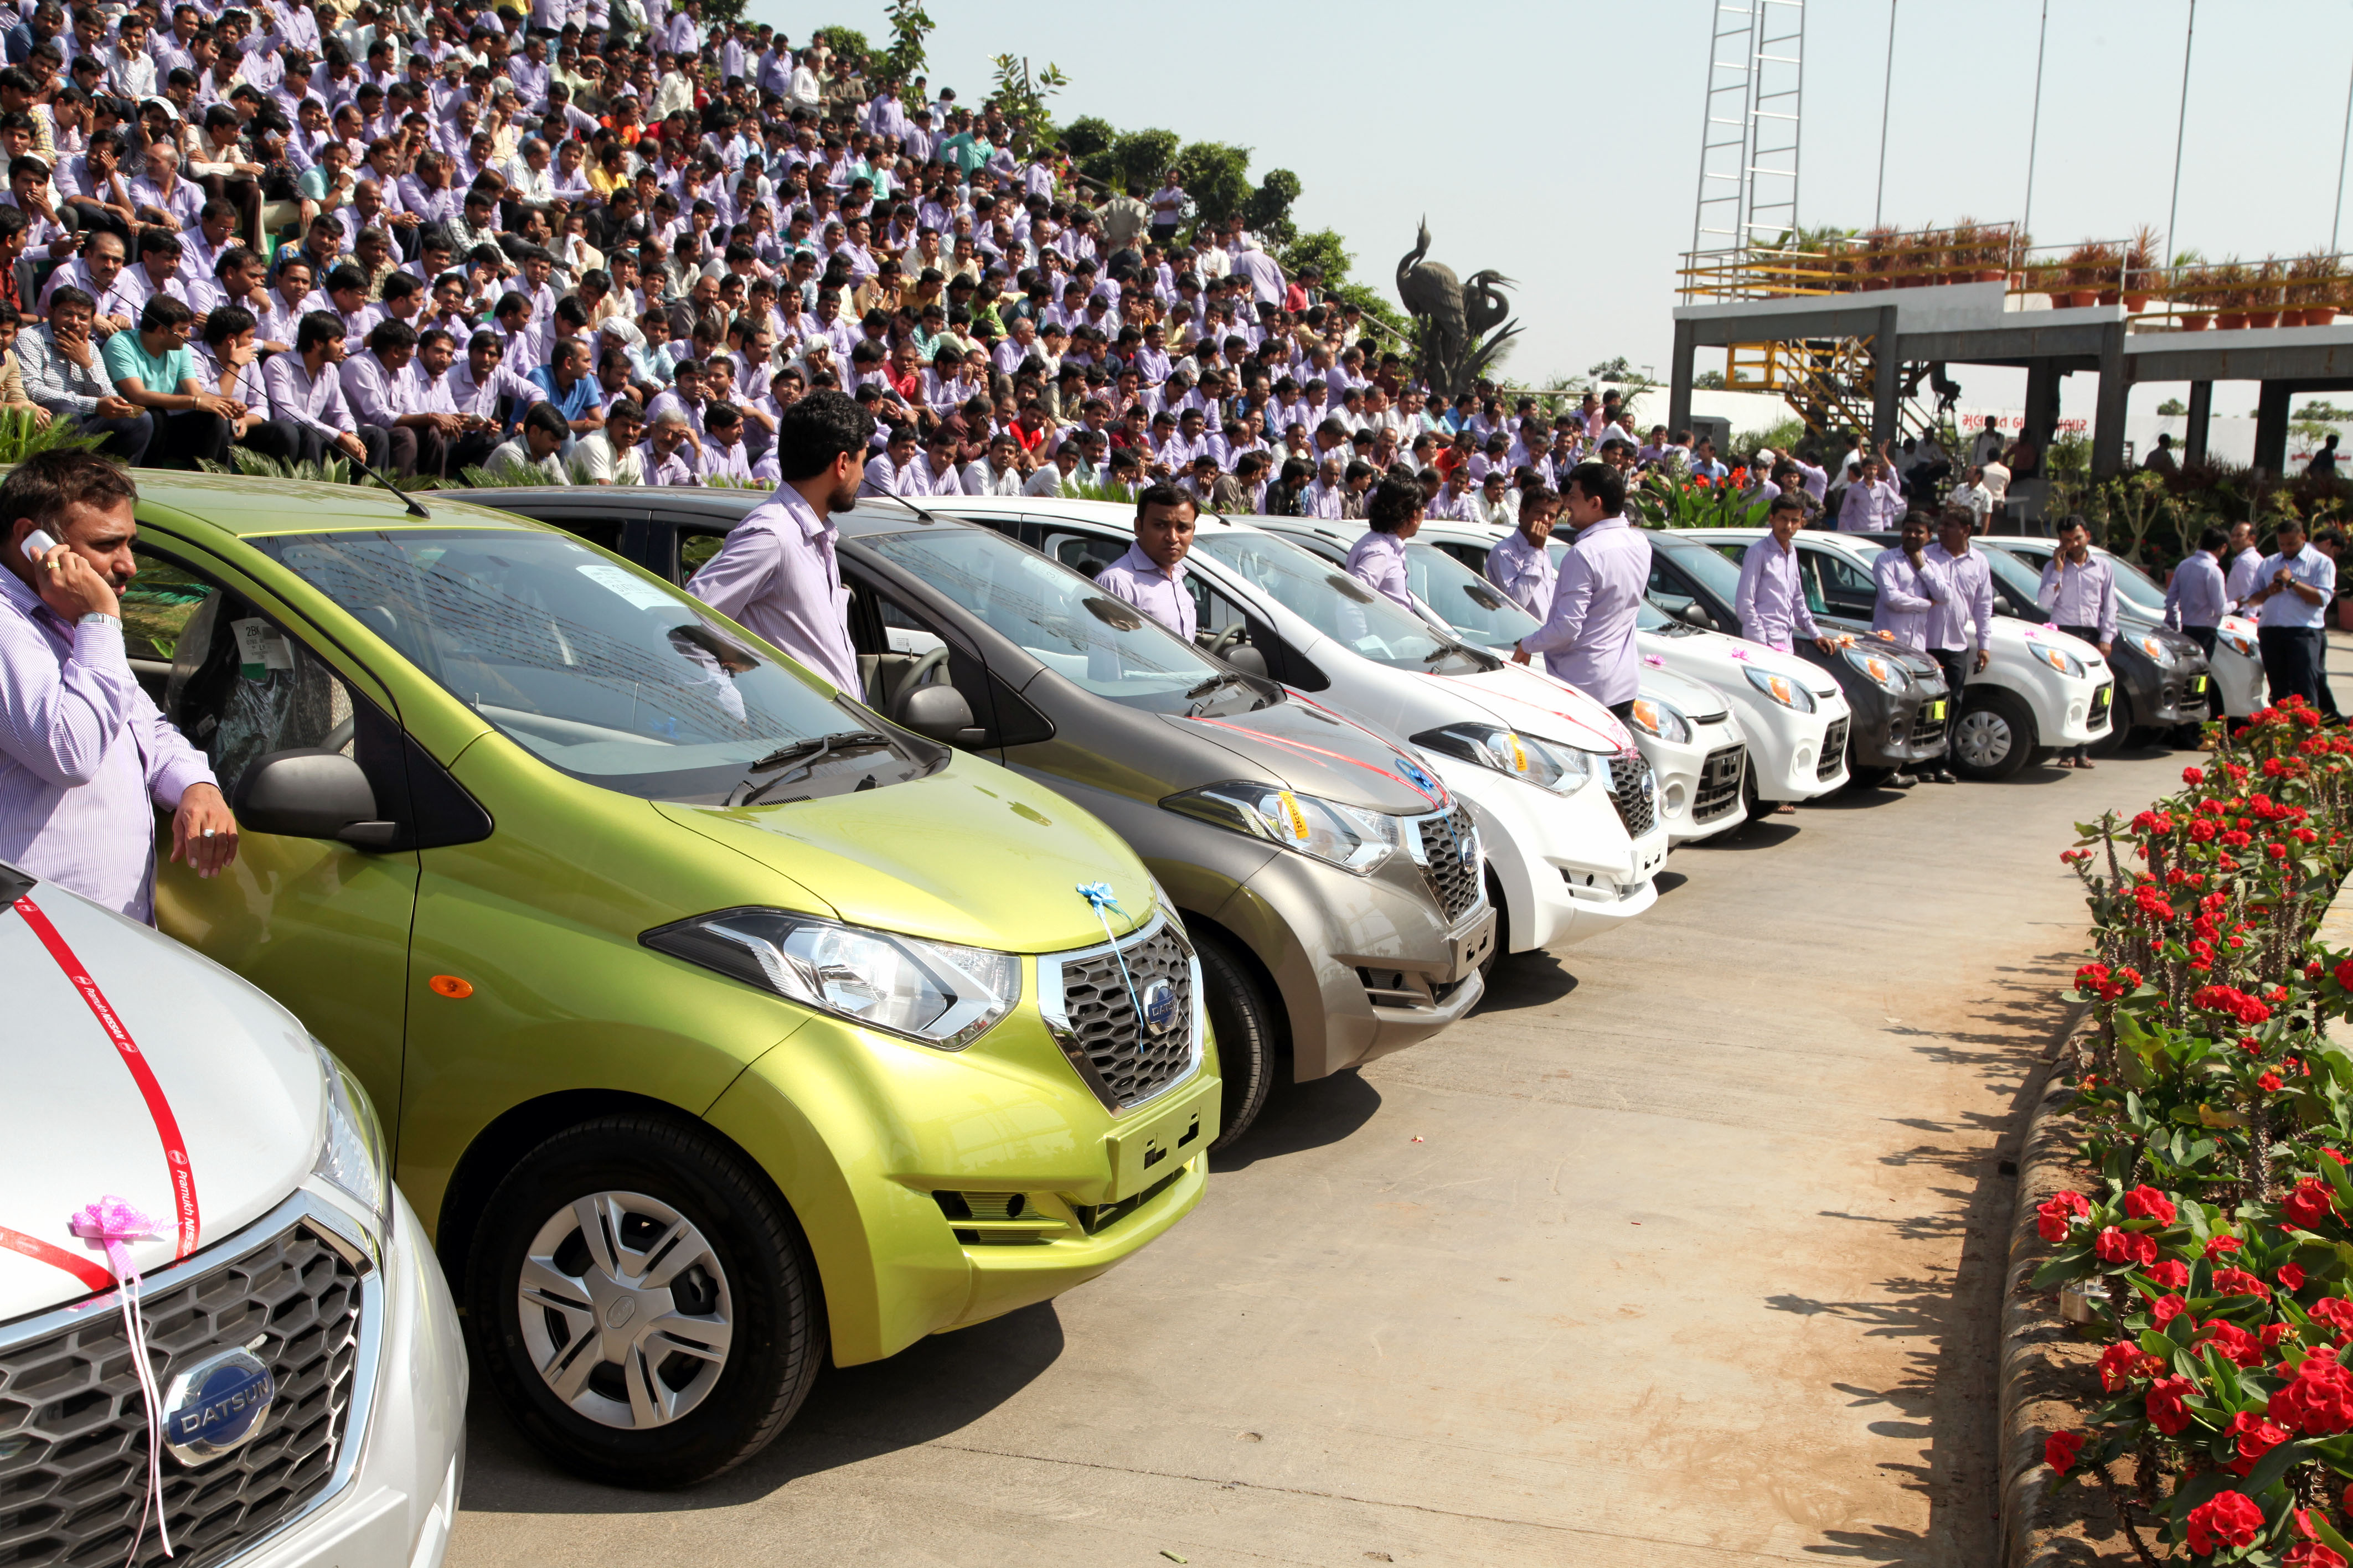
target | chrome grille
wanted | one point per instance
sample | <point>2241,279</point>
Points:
<point>73,1450</point>
<point>1630,786</point>
<point>1719,783</point>
<point>1450,860</point>
<point>1122,1061</point>
<point>1833,756</point>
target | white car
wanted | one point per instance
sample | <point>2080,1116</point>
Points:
<point>312,1376</point>
<point>1794,716</point>
<point>1686,730</point>
<point>1568,860</point>
<point>2042,689</point>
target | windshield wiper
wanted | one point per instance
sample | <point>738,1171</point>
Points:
<point>808,753</point>
<point>1223,678</point>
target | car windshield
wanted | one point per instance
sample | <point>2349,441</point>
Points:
<point>1058,617</point>
<point>1719,575</point>
<point>1466,602</point>
<point>2136,584</point>
<point>599,671</point>
<point>1335,603</point>
<point>2021,580</point>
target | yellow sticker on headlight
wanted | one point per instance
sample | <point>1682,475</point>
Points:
<point>1519,754</point>
<point>1292,816</point>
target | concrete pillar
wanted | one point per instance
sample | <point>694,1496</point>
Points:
<point>2041,404</point>
<point>2109,418</point>
<point>1886,377</point>
<point>2271,428</point>
<point>1679,377</point>
<point>2201,411</point>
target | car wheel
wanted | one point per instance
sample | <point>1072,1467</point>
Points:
<point>2120,726</point>
<point>643,1303</point>
<point>1994,736</point>
<point>1247,1027</point>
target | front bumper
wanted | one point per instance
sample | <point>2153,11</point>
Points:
<point>1699,779</point>
<point>2165,694</point>
<point>2085,716</point>
<point>1568,868</point>
<point>1899,730</point>
<point>1793,756</point>
<point>395,1507</point>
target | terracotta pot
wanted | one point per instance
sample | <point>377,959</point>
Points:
<point>2197,321</point>
<point>1992,275</point>
<point>2319,315</point>
<point>2083,299</point>
<point>1874,285</point>
<point>2061,299</point>
<point>2230,321</point>
<point>2110,295</point>
<point>2290,318</point>
<point>1912,281</point>
<point>2135,303</point>
<point>2262,318</point>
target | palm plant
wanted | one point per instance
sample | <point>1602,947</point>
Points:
<point>25,432</point>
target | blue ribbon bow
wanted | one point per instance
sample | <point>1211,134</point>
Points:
<point>1099,897</point>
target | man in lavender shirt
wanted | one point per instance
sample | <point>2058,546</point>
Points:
<point>777,574</point>
<point>1377,560</point>
<point>85,756</point>
<point>2079,589</point>
<point>1151,575</point>
<point>1587,639</point>
<point>1771,598</point>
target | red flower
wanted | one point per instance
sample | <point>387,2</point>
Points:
<point>2228,1518</point>
<point>2123,1362</point>
<point>2309,1204</point>
<point>2256,1438</point>
<point>2290,1277</point>
<point>2058,1450</point>
<point>2113,1246</point>
<point>2344,973</point>
<point>2269,1082</point>
<point>2239,1282</point>
<point>2173,1275</point>
<point>2192,778</point>
<point>2147,1203</point>
<point>2320,1399</point>
<point>2234,1341</point>
<point>2056,1213</point>
<point>2312,1554</point>
<point>2165,1411</point>
<point>2220,1246</point>
<point>2165,1309</point>
<point>2336,1311</point>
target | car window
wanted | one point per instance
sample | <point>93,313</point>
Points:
<point>1668,588</point>
<point>1844,580</point>
<point>1472,555</point>
<point>598,671</point>
<point>1097,642</point>
<point>1082,553</point>
<point>1474,609</point>
<point>1334,602</point>
<point>696,546</point>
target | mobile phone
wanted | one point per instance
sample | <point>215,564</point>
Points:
<point>38,543</point>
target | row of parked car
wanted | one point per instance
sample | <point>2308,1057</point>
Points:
<point>716,1023</point>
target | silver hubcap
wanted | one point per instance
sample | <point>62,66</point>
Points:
<point>1983,739</point>
<point>625,1309</point>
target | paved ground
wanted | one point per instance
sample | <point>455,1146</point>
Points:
<point>1678,1252</point>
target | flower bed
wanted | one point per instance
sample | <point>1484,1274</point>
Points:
<point>2215,1256</point>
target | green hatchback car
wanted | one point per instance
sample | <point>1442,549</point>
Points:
<point>718,1022</point>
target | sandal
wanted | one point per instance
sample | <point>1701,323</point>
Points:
<point>2066,761</point>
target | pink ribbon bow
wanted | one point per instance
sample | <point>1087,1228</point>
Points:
<point>113,1223</point>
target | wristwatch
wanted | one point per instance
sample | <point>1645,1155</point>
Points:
<point>100,618</point>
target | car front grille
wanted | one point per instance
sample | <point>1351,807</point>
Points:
<point>1455,876</point>
<point>1630,786</point>
<point>1833,756</point>
<point>1121,1058</point>
<point>1926,731</point>
<point>73,1445</point>
<point>2100,700</point>
<point>1719,783</point>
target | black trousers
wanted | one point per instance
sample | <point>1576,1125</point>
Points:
<point>2203,637</point>
<point>180,438</point>
<point>1625,710</point>
<point>278,438</point>
<point>1957,664</point>
<point>2291,661</point>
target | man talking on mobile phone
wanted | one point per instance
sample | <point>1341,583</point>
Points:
<point>85,755</point>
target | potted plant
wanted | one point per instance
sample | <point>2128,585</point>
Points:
<point>2192,290</point>
<point>2229,282</point>
<point>2318,281</point>
<point>2049,278</point>
<point>1962,243</point>
<point>1915,258</point>
<point>2141,277</point>
<point>1878,245</point>
<point>1994,250</point>
<point>2089,267</point>
<point>2264,293</point>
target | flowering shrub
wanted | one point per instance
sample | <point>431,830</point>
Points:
<point>2215,1255</point>
<point>1672,497</point>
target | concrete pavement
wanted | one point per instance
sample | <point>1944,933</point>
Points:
<point>1678,1252</point>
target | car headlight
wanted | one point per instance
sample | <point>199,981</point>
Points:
<point>1663,720</point>
<point>932,992</point>
<point>1564,770</point>
<point>1347,836</point>
<point>351,1156</point>
<point>2245,647</point>
<point>2060,659</point>
<point>1780,689</point>
<point>1883,671</point>
<point>2156,648</point>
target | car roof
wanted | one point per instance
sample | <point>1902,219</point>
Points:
<point>251,507</point>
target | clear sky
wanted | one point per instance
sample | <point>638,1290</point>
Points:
<point>1559,142</point>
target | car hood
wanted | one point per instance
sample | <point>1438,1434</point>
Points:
<point>1311,748</point>
<point>237,1071</point>
<point>1548,709</point>
<point>974,855</point>
<point>2018,637</point>
<point>1717,660</point>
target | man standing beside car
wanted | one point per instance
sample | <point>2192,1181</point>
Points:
<point>2197,598</point>
<point>2242,564</point>
<point>777,574</point>
<point>1588,638</point>
<point>2079,589</point>
<point>1960,612</point>
<point>85,755</point>
<point>2297,580</point>
<point>1151,575</point>
<point>1907,588</point>
<point>1771,598</point>
<point>1520,564</point>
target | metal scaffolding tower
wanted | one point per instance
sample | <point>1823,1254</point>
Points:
<point>1748,134</point>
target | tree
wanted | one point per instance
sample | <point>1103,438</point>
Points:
<point>2321,408</point>
<point>1268,211</point>
<point>1217,176</point>
<point>1022,96</point>
<point>847,44</point>
<point>2172,409</point>
<point>904,59</point>
<point>1326,251</point>
<point>1708,380</point>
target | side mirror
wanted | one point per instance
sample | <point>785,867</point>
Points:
<point>311,793</point>
<point>937,710</point>
<point>1246,659</point>
<point>1696,616</point>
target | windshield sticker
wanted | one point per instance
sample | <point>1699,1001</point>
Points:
<point>641,593</point>
<point>259,649</point>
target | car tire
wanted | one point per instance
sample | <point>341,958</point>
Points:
<point>640,1177</point>
<point>1249,1027</point>
<point>1994,735</point>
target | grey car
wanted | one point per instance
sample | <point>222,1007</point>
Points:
<point>1329,885</point>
